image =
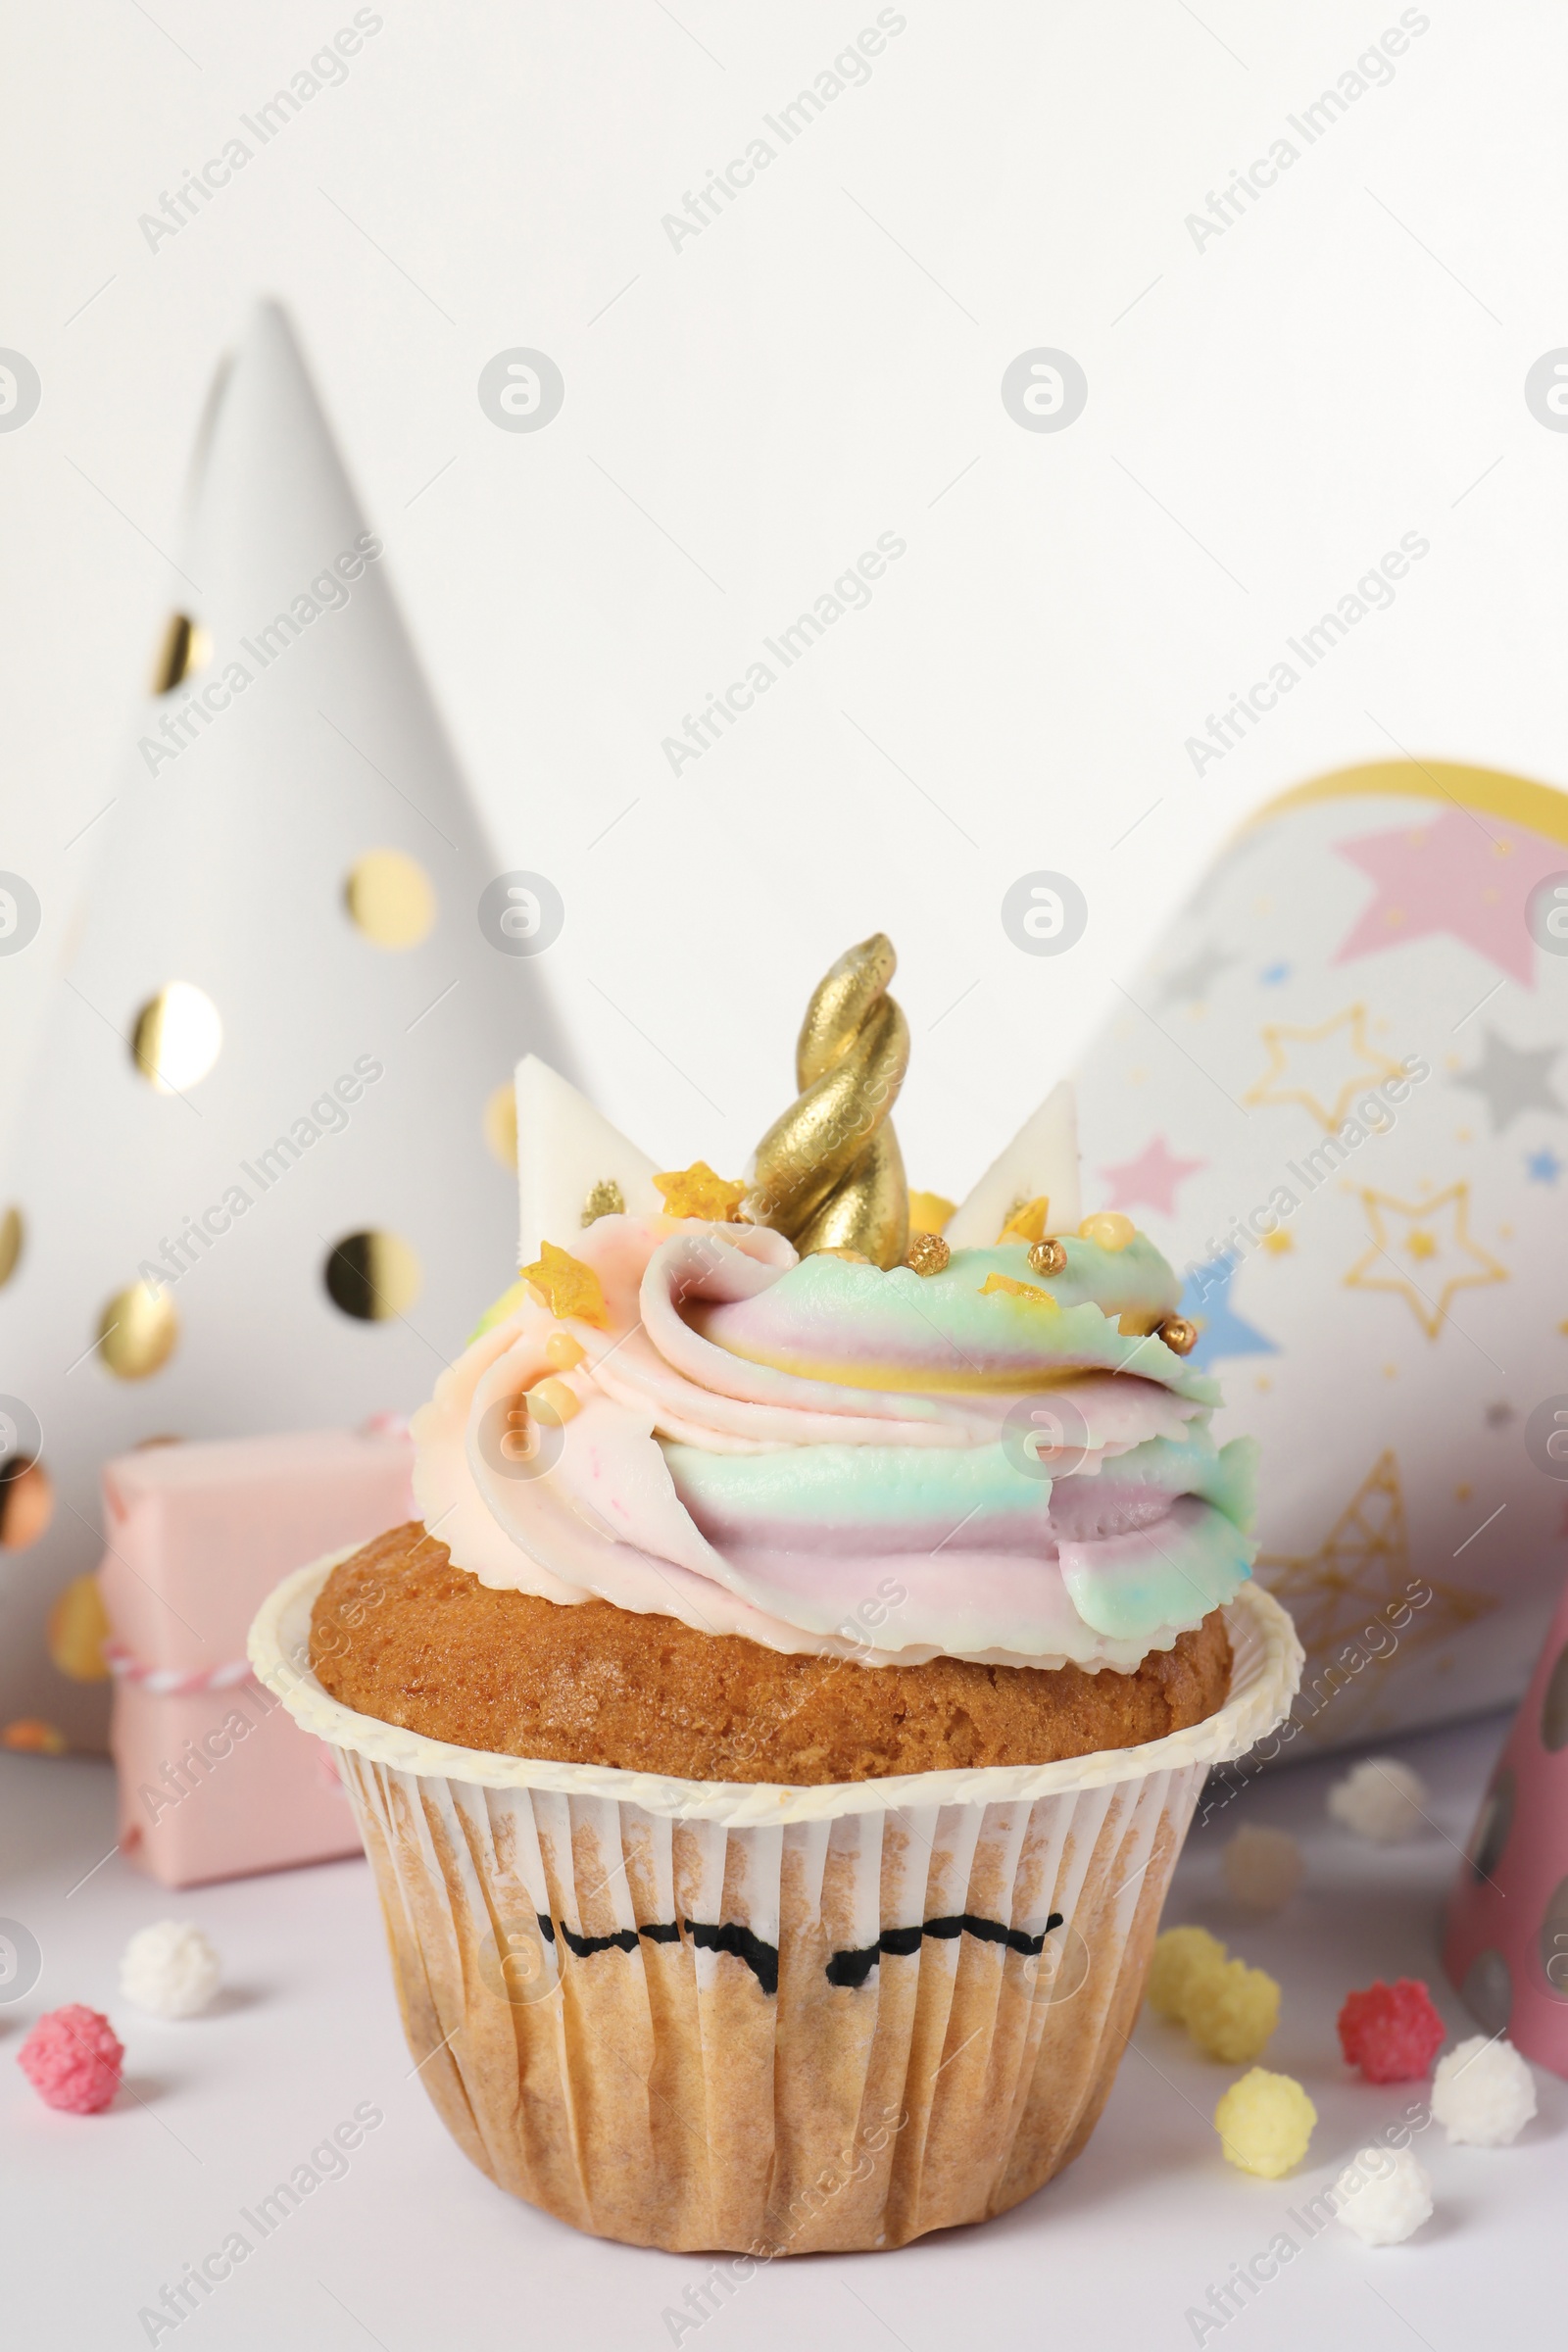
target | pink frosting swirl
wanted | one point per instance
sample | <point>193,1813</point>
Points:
<point>823,1457</point>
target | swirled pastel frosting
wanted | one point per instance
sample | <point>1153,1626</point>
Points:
<point>825,1457</point>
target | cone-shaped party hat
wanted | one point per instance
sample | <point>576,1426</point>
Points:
<point>264,1172</point>
<point>1506,1943</point>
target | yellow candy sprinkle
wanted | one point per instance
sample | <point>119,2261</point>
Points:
<point>929,1211</point>
<point>1181,1956</point>
<point>696,1192</point>
<point>1265,2123</point>
<point>1026,1291</point>
<point>565,1285</point>
<point>553,1402</point>
<point>1027,1221</point>
<point>1108,1229</point>
<point>563,1351</point>
<point>1232,2010</point>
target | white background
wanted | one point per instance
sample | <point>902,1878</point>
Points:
<point>742,417</point>
<point>819,366</point>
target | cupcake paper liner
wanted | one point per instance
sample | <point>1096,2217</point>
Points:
<point>765,2019</point>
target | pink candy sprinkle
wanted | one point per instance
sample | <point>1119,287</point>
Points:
<point>72,2058</point>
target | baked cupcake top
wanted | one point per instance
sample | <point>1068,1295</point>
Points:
<point>992,1462</point>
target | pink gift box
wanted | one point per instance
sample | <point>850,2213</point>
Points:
<point>215,1780</point>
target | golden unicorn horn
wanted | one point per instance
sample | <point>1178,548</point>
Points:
<point>828,1174</point>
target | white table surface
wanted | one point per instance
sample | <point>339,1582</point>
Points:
<point>413,2248</point>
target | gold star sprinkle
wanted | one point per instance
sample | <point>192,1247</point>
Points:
<point>929,1211</point>
<point>1027,1221</point>
<point>1018,1290</point>
<point>696,1192</point>
<point>565,1286</point>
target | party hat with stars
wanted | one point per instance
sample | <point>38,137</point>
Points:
<point>265,1171</point>
<point>1339,1099</point>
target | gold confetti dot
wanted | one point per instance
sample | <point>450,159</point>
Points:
<point>1108,1229</point>
<point>564,1351</point>
<point>78,1627</point>
<point>372,1276</point>
<point>26,1502</point>
<point>1279,1242</point>
<point>389,899</point>
<point>501,1123</point>
<point>11,1237</point>
<point>28,1735</point>
<point>1463,1492</point>
<point>186,647</point>
<point>138,1331</point>
<point>176,1038</point>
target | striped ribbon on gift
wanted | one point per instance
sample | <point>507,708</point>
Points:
<point>173,1681</point>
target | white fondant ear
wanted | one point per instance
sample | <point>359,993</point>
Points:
<point>1042,1157</point>
<point>564,1150</point>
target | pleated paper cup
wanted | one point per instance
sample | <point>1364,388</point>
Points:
<point>705,2015</point>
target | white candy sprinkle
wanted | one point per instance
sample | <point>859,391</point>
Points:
<point>1262,1868</point>
<point>171,1969</point>
<point>1381,1800</point>
<point>1482,2093</point>
<point>1384,2195</point>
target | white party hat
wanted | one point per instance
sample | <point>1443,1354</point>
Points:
<point>264,1179</point>
<point>572,1165</point>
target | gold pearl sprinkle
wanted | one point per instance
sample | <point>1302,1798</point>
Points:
<point>389,898</point>
<point>1108,1229</point>
<point>176,1038</point>
<point>1047,1257</point>
<point>605,1199</point>
<point>552,1402</point>
<point>137,1331</point>
<point>372,1276</point>
<point>1178,1335</point>
<point>929,1254</point>
<point>501,1123</point>
<point>564,1350</point>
